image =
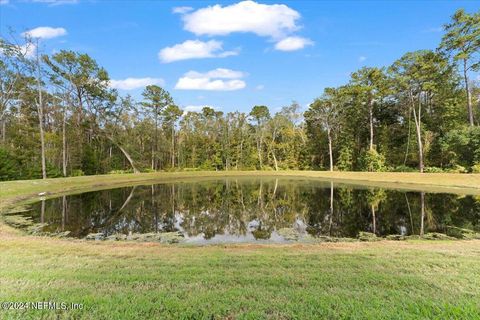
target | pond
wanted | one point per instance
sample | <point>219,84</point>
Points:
<point>252,210</point>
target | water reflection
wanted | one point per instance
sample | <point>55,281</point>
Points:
<point>261,209</point>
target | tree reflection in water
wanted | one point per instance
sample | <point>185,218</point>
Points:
<point>240,209</point>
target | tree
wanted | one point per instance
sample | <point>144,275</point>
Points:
<point>84,88</point>
<point>369,86</point>
<point>171,115</point>
<point>155,100</point>
<point>462,41</point>
<point>419,77</point>
<point>260,114</point>
<point>325,112</point>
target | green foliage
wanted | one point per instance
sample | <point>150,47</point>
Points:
<point>120,171</point>
<point>461,146</point>
<point>403,168</point>
<point>345,162</point>
<point>382,108</point>
<point>372,161</point>
<point>476,168</point>
<point>77,173</point>
<point>9,166</point>
<point>457,169</point>
<point>433,170</point>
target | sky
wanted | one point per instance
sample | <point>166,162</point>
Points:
<point>232,55</point>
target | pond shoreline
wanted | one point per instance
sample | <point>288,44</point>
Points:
<point>18,193</point>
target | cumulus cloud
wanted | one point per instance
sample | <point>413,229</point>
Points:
<point>362,58</point>
<point>212,80</point>
<point>45,32</point>
<point>181,10</point>
<point>276,20</point>
<point>195,108</point>
<point>194,49</point>
<point>135,83</point>
<point>293,43</point>
<point>221,73</point>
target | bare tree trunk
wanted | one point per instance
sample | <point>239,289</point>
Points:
<point>330,148</point>
<point>64,145</point>
<point>418,124</point>
<point>154,153</point>
<point>275,160</point>
<point>371,123</point>
<point>4,130</point>
<point>272,149</point>
<point>126,154</point>
<point>259,150</point>
<point>40,117</point>
<point>469,96</point>
<point>173,146</point>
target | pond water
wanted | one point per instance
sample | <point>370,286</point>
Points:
<point>254,210</point>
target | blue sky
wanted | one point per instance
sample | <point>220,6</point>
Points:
<point>229,54</point>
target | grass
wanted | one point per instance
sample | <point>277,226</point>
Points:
<point>113,280</point>
<point>387,280</point>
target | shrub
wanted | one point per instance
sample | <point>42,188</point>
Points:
<point>345,162</point>
<point>77,173</point>
<point>8,166</point>
<point>433,170</point>
<point>476,168</point>
<point>457,169</point>
<point>403,168</point>
<point>373,161</point>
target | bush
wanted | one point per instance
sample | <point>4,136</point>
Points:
<point>120,171</point>
<point>403,168</point>
<point>345,162</point>
<point>457,169</point>
<point>77,173</point>
<point>373,161</point>
<point>476,168</point>
<point>8,166</point>
<point>433,170</point>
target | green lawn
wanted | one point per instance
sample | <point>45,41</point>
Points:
<point>386,280</point>
<point>117,280</point>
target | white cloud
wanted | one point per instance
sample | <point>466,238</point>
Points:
<point>45,32</point>
<point>56,2</point>
<point>212,80</point>
<point>260,87</point>
<point>293,43</point>
<point>276,20</point>
<point>362,58</point>
<point>28,50</point>
<point>135,83</point>
<point>198,108</point>
<point>186,83</point>
<point>194,108</point>
<point>181,10</point>
<point>221,73</point>
<point>194,49</point>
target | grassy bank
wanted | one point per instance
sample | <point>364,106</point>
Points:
<point>386,280</point>
<point>114,280</point>
<point>432,182</point>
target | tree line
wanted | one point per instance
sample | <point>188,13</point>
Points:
<point>60,117</point>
